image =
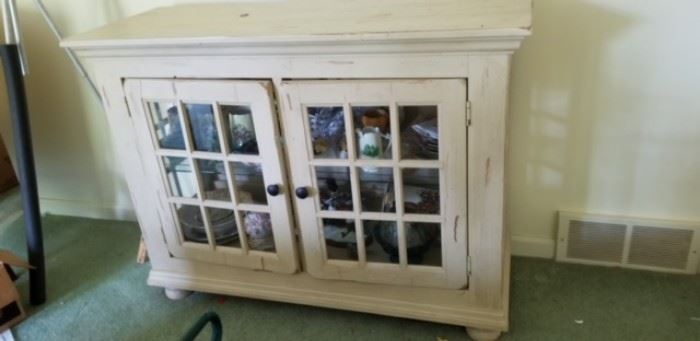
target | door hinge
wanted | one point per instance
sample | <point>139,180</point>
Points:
<point>469,266</point>
<point>469,113</point>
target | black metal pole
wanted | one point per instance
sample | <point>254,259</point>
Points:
<point>27,172</point>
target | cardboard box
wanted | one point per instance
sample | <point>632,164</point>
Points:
<point>11,311</point>
<point>7,173</point>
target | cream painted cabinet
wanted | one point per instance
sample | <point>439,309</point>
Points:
<point>348,155</point>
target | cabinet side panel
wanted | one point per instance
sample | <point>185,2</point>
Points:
<point>143,194</point>
<point>488,91</point>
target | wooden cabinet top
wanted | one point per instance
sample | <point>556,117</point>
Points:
<point>313,21</point>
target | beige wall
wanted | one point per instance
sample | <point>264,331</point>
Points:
<point>605,115</point>
<point>605,109</point>
<point>77,170</point>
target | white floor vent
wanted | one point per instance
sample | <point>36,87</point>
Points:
<point>649,244</point>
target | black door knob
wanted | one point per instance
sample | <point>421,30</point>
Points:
<point>302,192</point>
<point>273,190</point>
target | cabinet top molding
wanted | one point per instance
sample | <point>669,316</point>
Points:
<point>318,23</point>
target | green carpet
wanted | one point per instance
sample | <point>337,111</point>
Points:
<point>98,292</point>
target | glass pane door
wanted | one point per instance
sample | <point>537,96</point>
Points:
<point>212,146</point>
<point>384,166</point>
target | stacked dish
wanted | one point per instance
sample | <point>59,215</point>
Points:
<point>223,225</point>
<point>427,133</point>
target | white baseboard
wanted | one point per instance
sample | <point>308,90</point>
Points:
<point>87,209</point>
<point>533,247</point>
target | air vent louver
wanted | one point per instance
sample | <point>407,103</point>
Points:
<point>662,247</point>
<point>596,241</point>
<point>649,244</point>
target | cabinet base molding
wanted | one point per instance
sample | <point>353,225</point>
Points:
<point>176,294</point>
<point>483,334</point>
<point>451,307</point>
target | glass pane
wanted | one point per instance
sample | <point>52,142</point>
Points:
<point>167,125</point>
<point>258,229</point>
<point>419,132</point>
<point>386,248</point>
<point>373,132</point>
<point>204,133</point>
<point>421,190</point>
<point>377,189</point>
<point>423,243</point>
<point>214,181</point>
<point>249,183</point>
<point>341,240</point>
<point>327,125</point>
<point>240,129</point>
<point>223,226</point>
<point>180,177</point>
<point>191,223</point>
<point>334,188</point>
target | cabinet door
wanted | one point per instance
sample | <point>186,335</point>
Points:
<point>383,164</point>
<point>211,148</point>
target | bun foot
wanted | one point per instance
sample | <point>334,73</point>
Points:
<point>176,294</point>
<point>483,334</point>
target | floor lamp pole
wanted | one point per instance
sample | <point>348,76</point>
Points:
<point>15,67</point>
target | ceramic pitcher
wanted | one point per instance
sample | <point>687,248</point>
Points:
<point>370,141</point>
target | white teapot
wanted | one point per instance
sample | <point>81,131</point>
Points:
<point>372,145</point>
<point>370,142</point>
